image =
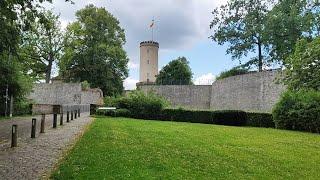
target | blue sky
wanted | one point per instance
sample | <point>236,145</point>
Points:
<point>181,28</point>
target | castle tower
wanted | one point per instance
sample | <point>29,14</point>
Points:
<point>148,61</point>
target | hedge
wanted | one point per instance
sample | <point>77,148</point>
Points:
<point>260,120</point>
<point>225,117</point>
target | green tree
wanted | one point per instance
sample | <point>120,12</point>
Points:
<point>13,82</point>
<point>303,66</point>
<point>177,72</point>
<point>94,51</point>
<point>42,46</point>
<point>289,21</point>
<point>15,17</point>
<point>241,24</point>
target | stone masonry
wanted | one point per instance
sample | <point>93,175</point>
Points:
<point>255,92</point>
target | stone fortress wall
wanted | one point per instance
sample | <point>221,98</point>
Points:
<point>64,93</point>
<point>254,92</point>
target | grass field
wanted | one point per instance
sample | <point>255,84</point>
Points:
<point>122,148</point>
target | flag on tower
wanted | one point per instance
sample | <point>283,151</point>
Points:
<point>152,24</point>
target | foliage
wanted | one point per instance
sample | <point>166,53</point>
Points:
<point>298,110</point>
<point>270,28</point>
<point>122,148</point>
<point>94,51</point>
<point>241,24</point>
<point>303,66</point>
<point>177,72</point>
<point>42,46</point>
<point>226,117</point>
<point>255,119</point>
<point>11,75</point>
<point>289,21</point>
<point>114,113</point>
<point>85,85</point>
<point>16,16</point>
<point>232,72</point>
<point>22,106</point>
<point>139,103</point>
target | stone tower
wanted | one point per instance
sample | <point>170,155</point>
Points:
<point>148,61</point>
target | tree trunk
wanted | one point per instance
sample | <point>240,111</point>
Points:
<point>260,57</point>
<point>49,67</point>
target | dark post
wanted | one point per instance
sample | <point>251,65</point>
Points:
<point>61,119</point>
<point>54,120</point>
<point>79,112</point>
<point>33,128</point>
<point>75,114</point>
<point>68,117</point>
<point>14,135</point>
<point>43,120</point>
<point>71,115</point>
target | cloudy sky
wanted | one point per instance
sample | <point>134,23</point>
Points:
<point>181,28</point>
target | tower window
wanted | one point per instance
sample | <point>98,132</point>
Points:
<point>147,50</point>
<point>148,61</point>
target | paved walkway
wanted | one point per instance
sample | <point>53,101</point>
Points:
<point>35,158</point>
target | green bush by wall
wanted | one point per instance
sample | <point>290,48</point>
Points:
<point>298,110</point>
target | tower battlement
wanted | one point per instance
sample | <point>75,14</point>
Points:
<point>149,43</point>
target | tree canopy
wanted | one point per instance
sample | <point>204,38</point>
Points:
<point>241,24</point>
<point>177,72</point>
<point>93,51</point>
<point>268,28</point>
<point>41,46</point>
<point>303,66</point>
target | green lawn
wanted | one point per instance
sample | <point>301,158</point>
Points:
<point>122,148</point>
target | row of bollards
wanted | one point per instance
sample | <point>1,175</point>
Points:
<point>14,133</point>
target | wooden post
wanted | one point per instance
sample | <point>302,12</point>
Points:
<point>33,128</point>
<point>68,120</point>
<point>43,122</point>
<point>79,112</point>
<point>71,115</point>
<point>54,120</point>
<point>61,119</point>
<point>14,135</point>
<point>75,114</point>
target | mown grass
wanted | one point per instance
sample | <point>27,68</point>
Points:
<point>122,148</point>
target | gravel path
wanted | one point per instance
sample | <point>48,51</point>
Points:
<point>35,158</point>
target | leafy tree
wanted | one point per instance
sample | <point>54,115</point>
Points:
<point>15,17</point>
<point>177,72</point>
<point>94,51</point>
<point>241,24</point>
<point>42,46</point>
<point>289,21</point>
<point>12,79</point>
<point>303,66</point>
<point>232,72</point>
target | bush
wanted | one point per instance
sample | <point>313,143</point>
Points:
<point>139,104</point>
<point>232,72</point>
<point>22,107</point>
<point>299,110</point>
<point>260,120</point>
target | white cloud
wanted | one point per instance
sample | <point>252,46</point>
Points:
<point>130,83</point>
<point>206,79</point>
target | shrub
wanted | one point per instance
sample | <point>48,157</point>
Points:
<point>298,110</point>
<point>230,117</point>
<point>232,72</point>
<point>259,119</point>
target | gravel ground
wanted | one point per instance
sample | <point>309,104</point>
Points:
<point>35,158</point>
